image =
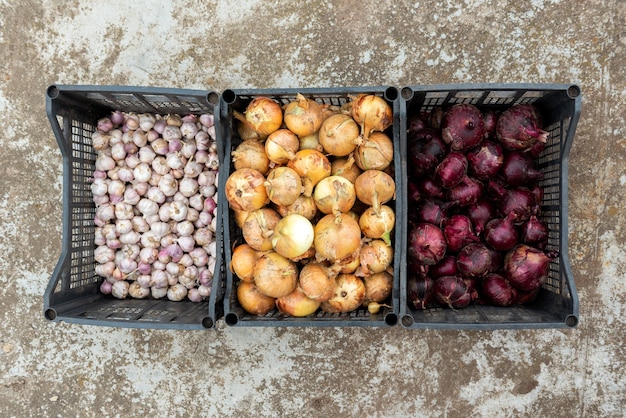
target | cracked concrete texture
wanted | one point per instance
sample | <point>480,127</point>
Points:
<point>58,369</point>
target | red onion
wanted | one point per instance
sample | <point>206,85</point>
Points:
<point>534,233</point>
<point>462,127</point>
<point>452,291</point>
<point>415,123</point>
<point>536,150</point>
<point>500,233</point>
<point>427,244</point>
<point>445,267</point>
<point>519,200</point>
<point>466,193</point>
<point>430,188</point>
<point>525,298</point>
<point>451,169</point>
<point>475,260</point>
<point>413,192</point>
<point>485,160</point>
<point>519,128</point>
<point>480,213</point>
<point>432,211</point>
<point>497,290</point>
<point>527,267</point>
<point>490,118</point>
<point>518,169</point>
<point>458,232</point>
<point>537,192</point>
<point>419,291</point>
<point>473,286</point>
<point>425,150</point>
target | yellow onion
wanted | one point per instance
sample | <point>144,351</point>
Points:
<point>293,236</point>
<point>349,264</point>
<point>312,166</point>
<point>303,116</point>
<point>345,167</point>
<point>297,304</point>
<point>283,185</point>
<point>252,300</point>
<point>245,190</point>
<point>339,135</point>
<point>376,152</point>
<point>246,132</point>
<point>275,275</point>
<point>378,224</point>
<point>348,296</point>
<point>374,188</point>
<point>303,205</point>
<point>251,154</point>
<point>372,113</point>
<point>263,115</point>
<point>242,262</point>
<point>336,237</point>
<point>240,217</point>
<point>311,142</point>
<point>378,287</point>
<point>334,194</point>
<point>305,257</point>
<point>375,257</point>
<point>317,281</point>
<point>258,228</point>
<point>281,146</point>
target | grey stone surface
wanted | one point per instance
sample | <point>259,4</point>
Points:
<point>58,369</point>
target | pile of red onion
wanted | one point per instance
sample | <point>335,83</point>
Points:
<point>474,232</point>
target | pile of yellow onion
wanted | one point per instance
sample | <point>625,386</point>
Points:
<point>309,187</point>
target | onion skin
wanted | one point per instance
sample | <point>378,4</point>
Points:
<point>445,267</point>
<point>283,186</point>
<point>281,146</point>
<point>475,260</point>
<point>252,300</point>
<point>466,193</point>
<point>317,281</point>
<point>345,167</point>
<point>349,294</point>
<point>426,150</point>
<point>375,257</point>
<point>251,154</point>
<point>497,290</point>
<point>303,205</point>
<point>526,267</point>
<point>374,153</point>
<point>292,236</point>
<point>339,135</point>
<point>451,169</point>
<point>258,228</point>
<point>458,232</point>
<point>336,237</point>
<point>500,233</point>
<point>452,291</point>
<point>420,291</point>
<point>303,116</point>
<point>275,275</point>
<point>312,166</point>
<point>378,287</point>
<point>374,188</point>
<point>334,194</point>
<point>535,233</point>
<point>297,304</point>
<point>519,128</point>
<point>378,225</point>
<point>372,112</point>
<point>426,244</point>
<point>518,170</point>
<point>480,213</point>
<point>242,262</point>
<point>462,127</point>
<point>263,115</point>
<point>245,190</point>
<point>486,160</point>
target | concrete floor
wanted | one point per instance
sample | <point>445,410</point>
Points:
<point>58,369</point>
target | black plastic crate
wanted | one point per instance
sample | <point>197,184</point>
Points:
<point>234,315</point>
<point>73,292</point>
<point>557,303</point>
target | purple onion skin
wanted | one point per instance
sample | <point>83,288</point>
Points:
<point>473,287</point>
<point>451,169</point>
<point>519,200</point>
<point>519,128</point>
<point>500,233</point>
<point>526,298</point>
<point>485,160</point>
<point>535,233</point>
<point>462,127</point>
<point>497,290</point>
<point>490,118</point>
<point>445,267</point>
<point>430,188</point>
<point>426,244</point>
<point>526,267</point>
<point>452,291</point>
<point>415,123</point>
<point>426,149</point>
<point>537,192</point>
<point>466,193</point>
<point>518,170</point>
<point>431,211</point>
<point>413,192</point>
<point>480,213</point>
<point>475,260</point>
<point>420,291</point>
<point>458,232</point>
